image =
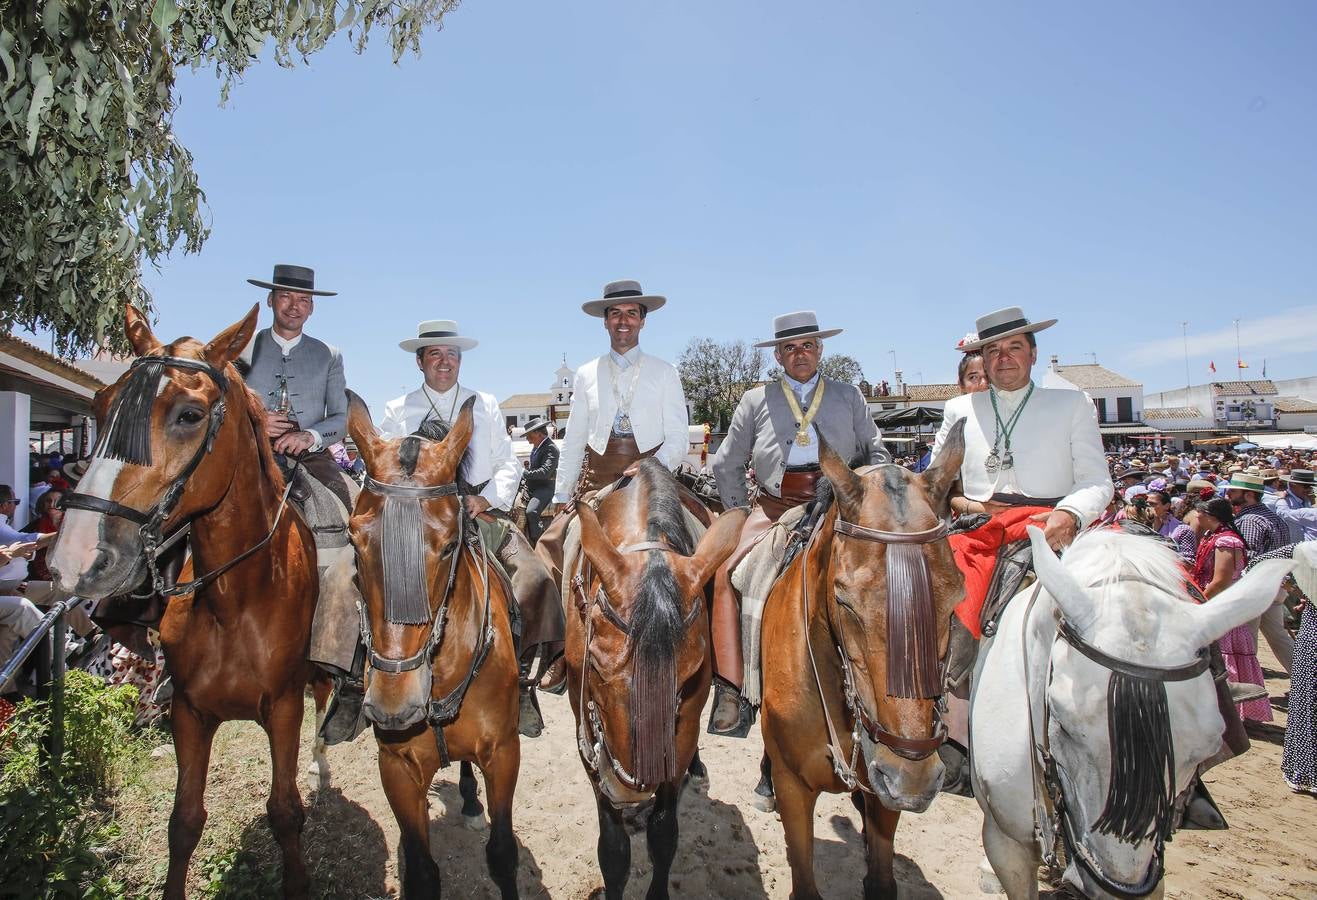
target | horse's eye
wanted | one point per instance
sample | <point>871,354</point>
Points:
<point>190,416</point>
<point>449,548</point>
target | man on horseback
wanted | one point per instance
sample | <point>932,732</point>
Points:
<point>776,428</point>
<point>626,406</point>
<point>300,380</point>
<point>540,475</point>
<point>1032,456</point>
<point>489,476</point>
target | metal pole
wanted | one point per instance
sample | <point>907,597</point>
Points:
<point>1239,356</point>
<point>55,739</point>
<point>43,674</point>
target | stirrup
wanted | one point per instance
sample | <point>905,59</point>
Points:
<point>745,713</point>
<point>343,718</point>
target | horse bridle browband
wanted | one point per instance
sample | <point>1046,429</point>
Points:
<point>150,522</point>
<point>906,747</point>
<point>592,726</point>
<point>1046,770</point>
<point>445,709</point>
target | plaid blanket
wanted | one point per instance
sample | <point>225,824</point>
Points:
<point>753,578</point>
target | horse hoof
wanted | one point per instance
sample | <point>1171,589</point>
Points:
<point>764,803</point>
<point>317,779</point>
<point>475,823</point>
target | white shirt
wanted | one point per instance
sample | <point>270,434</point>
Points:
<point>658,416</point>
<point>1055,444</point>
<point>489,457</point>
<point>808,454</point>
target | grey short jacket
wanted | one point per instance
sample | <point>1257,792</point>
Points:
<point>316,384</point>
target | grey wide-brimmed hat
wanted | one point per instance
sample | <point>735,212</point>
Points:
<point>1002,324</point>
<point>796,325</point>
<point>1300,476</point>
<point>437,332</point>
<point>616,292</point>
<point>292,278</point>
<point>536,424</point>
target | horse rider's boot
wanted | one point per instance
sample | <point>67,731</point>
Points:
<point>732,714</point>
<point>555,677</point>
<point>344,719</point>
<point>956,761</point>
<point>1201,812</point>
<point>962,651</point>
<point>529,721</point>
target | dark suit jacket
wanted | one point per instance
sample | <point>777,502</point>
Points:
<point>542,471</point>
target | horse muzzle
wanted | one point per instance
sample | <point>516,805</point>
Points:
<point>397,702</point>
<point>902,784</point>
<point>96,571</point>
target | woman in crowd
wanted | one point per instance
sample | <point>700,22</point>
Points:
<point>1159,501</point>
<point>970,374</point>
<point>48,518</point>
<point>1219,562</point>
<point>1299,762</point>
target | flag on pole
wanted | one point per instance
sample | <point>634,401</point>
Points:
<point>1211,366</point>
<point>1241,364</point>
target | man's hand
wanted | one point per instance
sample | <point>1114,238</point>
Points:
<point>294,443</point>
<point>475,505</point>
<point>21,549</point>
<point>277,424</point>
<point>1059,528</point>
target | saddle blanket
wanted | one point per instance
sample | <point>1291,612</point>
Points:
<point>754,578</point>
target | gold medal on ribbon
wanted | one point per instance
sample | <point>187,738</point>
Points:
<point>803,419</point>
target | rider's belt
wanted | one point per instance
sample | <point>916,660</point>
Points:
<point>1021,500</point>
<point>799,485</point>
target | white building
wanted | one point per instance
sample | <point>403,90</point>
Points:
<point>553,404</point>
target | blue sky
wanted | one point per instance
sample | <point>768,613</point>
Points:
<point>900,168</point>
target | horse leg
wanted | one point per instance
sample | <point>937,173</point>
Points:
<point>406,769</point>
<point>318,771</point>
<point>879,833</point>
<point>795,804</point>
<point>284,807</point>
<point>1015,865</point>
<point>192,742</point>
<point>473,814</point>
<point>614,848</point>
<point>764,799</point>
<point>661,834</point>
<point>698,772</point>
<point>500,772</point>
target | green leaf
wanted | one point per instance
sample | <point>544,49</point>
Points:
<point>164,14</point>
<point>41,95</point>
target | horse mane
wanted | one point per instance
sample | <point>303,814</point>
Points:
<point>1141,787</point>
<point>657,627</point>
<point>254,409</point>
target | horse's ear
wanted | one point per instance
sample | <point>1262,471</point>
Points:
<point>717,544</point>
<point>596,545</point>
<point>138,331</point>
<point>454,443</point>
<point>1068,595</point>
<point>362,430</point>
<point>1242,602</point>
<point>942,474</point>
<point>229,343</point>
<point>845,483</point>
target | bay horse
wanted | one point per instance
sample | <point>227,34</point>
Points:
<point>183,440</point>
<point>442,679</point>
<point>858,624</point>
<point>1093,707</point>
<point>638,663</point>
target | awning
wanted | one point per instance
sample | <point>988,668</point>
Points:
<point>914,416</point>
<point>1126,429</point>
<point>900,440</point>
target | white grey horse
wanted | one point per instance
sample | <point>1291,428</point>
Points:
<point>1102,672</point>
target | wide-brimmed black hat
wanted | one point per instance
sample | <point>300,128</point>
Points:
<point>292,278</point>
<point>537,423</point>
<point>1300,476</point>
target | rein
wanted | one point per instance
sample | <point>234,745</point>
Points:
<point>591,740</point>
<point>445,709</point>
<point>905,747</point>
<point>128,439</point>
<point>1136,706</point>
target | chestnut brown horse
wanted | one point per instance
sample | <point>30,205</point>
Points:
<point>183,440</point>
<point>638,665</point>
<point>858,624</point>
<point>441,675</point>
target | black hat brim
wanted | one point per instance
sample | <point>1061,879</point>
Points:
<point>274,286</point>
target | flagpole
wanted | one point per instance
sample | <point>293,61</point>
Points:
<point>1184,330</point>
<point>1239,356</point>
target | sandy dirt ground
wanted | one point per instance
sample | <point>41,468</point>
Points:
<point>728,848</point>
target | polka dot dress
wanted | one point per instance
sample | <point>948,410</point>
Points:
<point>1299,763</point>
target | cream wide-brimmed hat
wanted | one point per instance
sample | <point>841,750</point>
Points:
<point>437,332</point>
<point>796,325</point>
<point>625,291</point>
<point>1002,324</point>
